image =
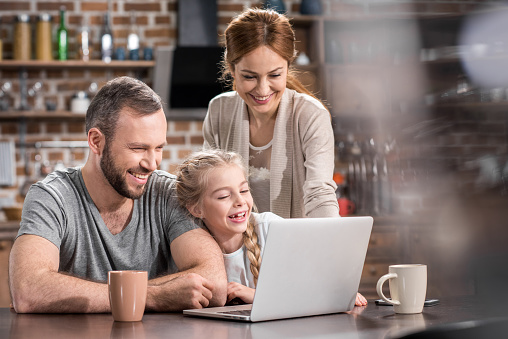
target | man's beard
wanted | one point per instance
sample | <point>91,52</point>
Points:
<point>116,178</point>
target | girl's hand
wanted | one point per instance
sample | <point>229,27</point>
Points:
<point>236,290</point>
<point>360,299</point>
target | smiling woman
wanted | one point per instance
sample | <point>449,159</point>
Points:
<point>282,131</point>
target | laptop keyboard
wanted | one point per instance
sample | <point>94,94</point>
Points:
<point>238,312</point>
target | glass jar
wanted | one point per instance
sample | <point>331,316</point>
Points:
<point>43,37</point>
<point>22,38</point>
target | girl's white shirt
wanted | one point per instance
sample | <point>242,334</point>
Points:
<point>237,263</point>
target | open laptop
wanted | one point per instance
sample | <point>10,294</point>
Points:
<point>310,266</point>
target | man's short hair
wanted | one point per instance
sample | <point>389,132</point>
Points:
<point>117,94</point>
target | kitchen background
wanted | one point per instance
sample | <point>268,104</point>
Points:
<point>418,106</point>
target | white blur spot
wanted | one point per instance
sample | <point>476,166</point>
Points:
<point>485,41</point>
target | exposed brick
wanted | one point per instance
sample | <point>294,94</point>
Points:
<point>230,8</point>
<point>184,153</point>
<point>175,140</point>
<point>72,86</point>
<point>34,139</point>
<point>199,125</point>
<point>79,156</point>
<point>172,7</point>
<point>197,140</point>
<point>78,138</point>
<point>55,156</point>
<point>94,74</point>
<point>54,74</point>
<point>9,128</point>
<point>33,128</point>
<point>126,20</point>
<point>76,73</point>
<point>95,20</point>
<point>160,33</point>
<point>54,127</point>
<point>172,168</point>
<point>143,7</point>
<point>224,20</point>
<point>14,6</point>
<point>94,6</point>
<point>162,20</point>
<point>20,171</point>
<point>182,126</point>
<point>54,6</point>
<point>166,154</point>
<point>162,43</point>
<point>121,34</point>
<point>76,127</point>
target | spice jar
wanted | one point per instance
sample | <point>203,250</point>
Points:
<point>80,102</point>
<point>22,38</point>
<point>43,37</point>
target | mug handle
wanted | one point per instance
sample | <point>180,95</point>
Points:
<point>379,288</point>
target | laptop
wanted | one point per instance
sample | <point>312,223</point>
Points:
<point>310,266</point>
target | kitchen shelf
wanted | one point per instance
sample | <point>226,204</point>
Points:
<point>33,115</point>
<point>38,64</point>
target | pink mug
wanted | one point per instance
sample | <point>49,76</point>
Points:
<point>346,207</point>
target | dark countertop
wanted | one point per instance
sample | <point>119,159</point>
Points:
<point>363,322</point>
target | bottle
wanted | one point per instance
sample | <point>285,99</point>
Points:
<point>62,36</point>
<point>106,40</point>
<point>22,38</point>
<point>133,39</point>
<point>43,37</point>
<point>85,50</point>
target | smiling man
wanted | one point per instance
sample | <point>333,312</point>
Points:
<point>117,212</point>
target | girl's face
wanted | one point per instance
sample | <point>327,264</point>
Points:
<point>226,205</point>
<point>260,79</point>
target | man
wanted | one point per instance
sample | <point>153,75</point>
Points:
<point>117,212</point>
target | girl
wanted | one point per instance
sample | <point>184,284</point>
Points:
<point>213,186</point>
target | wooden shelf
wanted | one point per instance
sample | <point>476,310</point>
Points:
<point>37,64</point>
<point>33,115</point>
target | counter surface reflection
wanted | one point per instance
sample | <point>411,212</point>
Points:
<point>371,321</point>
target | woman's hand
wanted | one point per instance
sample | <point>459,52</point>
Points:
<point>360,299</point>
<point>236,290</point>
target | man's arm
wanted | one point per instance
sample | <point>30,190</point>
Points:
<point>202,279</point>
<point>37,286</point>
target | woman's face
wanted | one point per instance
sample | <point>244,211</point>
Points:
<point>260,79</point>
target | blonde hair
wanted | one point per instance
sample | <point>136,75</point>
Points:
<point>255,28</point>
<point>192,181</point>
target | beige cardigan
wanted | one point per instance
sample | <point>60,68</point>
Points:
<point>302,161</point>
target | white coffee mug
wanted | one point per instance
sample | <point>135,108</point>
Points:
<point>408,287</point>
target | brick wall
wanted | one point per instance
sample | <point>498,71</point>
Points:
<point>157,23</point>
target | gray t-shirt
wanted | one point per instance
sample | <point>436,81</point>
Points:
<point>60,210</point>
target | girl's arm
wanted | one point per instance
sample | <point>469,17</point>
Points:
<point>236,290</point>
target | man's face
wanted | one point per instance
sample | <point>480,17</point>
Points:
<point>134,153</point>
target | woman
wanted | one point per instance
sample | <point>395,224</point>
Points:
<point>213,186</point>
<point>282,131</point>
